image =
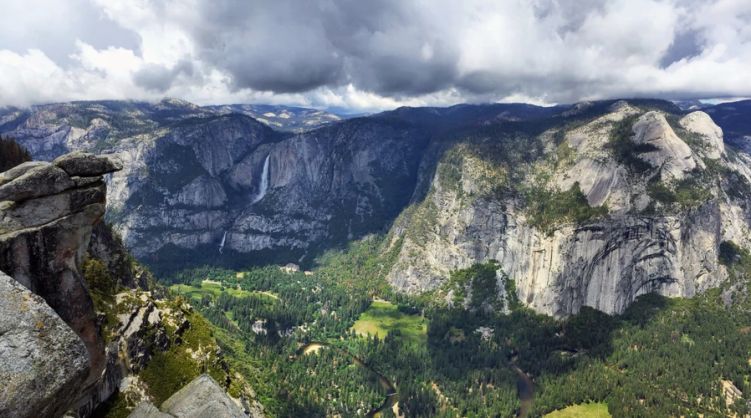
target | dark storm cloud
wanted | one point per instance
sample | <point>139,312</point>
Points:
<point>159,78</point>
<point>292,46</point>
<point>685,45</point>
<point>401,49</point>
<point>280,46</point>
<point>373,54</point>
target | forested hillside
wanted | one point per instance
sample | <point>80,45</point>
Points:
<point>661,357</point>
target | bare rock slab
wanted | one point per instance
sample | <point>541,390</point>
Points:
<point>42,361</point>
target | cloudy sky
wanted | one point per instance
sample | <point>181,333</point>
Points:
<point>373,54</point>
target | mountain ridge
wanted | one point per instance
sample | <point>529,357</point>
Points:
<point>189,186</point>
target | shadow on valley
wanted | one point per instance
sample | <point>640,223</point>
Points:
<point>662,357</point>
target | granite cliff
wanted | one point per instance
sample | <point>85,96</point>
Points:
<point>590,204</point>
<point>79,320</point>
<point>194,178</point>
<point>631,201</point>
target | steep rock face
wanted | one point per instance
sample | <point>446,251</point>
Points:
<point>42,361</point>
<point>644,244</point>
<point>669,153</point>
<point>46,218</point>
<point>271,196</point>
<point>60,254</point>
<point>192,176</point>
<point>105,245</point>
<point>593,167</point>
<point>332,184</point>
<point>702,124</point>
<point>203,191</point>
<point>733,118</point>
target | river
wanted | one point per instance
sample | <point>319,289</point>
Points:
<point>392,396</point>
<point>524,385</point>
<point>526,391</point>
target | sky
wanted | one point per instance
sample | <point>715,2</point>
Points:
<point>367,55</point>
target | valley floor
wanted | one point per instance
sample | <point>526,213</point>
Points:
<point>663,357</point>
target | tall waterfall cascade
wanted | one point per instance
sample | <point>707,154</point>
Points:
<point>264,185</point>
<point>221,245</point>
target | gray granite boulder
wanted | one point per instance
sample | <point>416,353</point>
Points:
<point>86,165</point>
<point>41,180</point>
<point>42,361</point>
<point>202,398</point>
<point>148,410</point>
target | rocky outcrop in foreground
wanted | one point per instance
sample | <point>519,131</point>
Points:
<point>77,322</point>
<point>201,398</point>
<point>47,212</point>
<point>42,361</point>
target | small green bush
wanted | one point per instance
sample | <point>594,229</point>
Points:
<point>98,277</point>
<point>731,253</point>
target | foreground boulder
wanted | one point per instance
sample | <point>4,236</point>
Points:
<point>42,361</point>
<point>47,213</point>
<point>86,165</point>
<point>58,254</point>
<point>201,398</point>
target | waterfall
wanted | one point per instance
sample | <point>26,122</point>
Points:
<point>264,185</point>
<point>221,246</point>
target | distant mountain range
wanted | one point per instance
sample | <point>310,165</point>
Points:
<point>601,188</point>
<point>282,118</point>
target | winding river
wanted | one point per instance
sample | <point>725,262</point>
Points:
<point>526,391</point>
<point>392,396</point>
<point>524,385</point>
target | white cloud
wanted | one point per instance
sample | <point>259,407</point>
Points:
<point>373,55</point>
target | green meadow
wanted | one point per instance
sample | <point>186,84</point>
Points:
<point>213,289</point>
<point>586,410</point>
<point>383,317</point>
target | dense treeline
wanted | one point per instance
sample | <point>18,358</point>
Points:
<point>12,154</point>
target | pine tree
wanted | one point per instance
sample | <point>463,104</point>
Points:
<point>12,154</point>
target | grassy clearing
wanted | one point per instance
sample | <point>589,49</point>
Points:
<point>587,410</point>
<point>312,348</point>
<point>214,289</point>
<point>383,317</point>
